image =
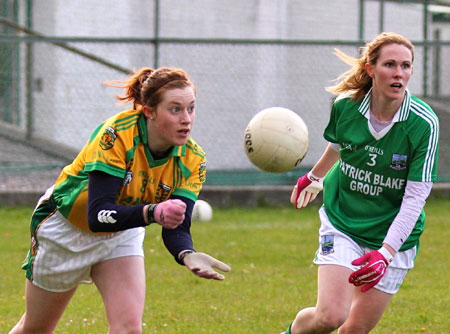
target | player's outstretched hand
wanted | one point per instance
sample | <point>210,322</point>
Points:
<point>202,264</point>
<point>371,273</point>
<point>306,190</point>
<point>170,213</point>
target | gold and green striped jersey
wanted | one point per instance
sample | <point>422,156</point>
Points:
<point>119,147</point>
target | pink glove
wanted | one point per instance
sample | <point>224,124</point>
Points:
<point>306,190</point>
<point>170,213</point>
<point>370,274</point>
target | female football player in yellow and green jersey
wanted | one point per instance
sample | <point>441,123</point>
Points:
<point>378,170</point>
<point>138,167</point>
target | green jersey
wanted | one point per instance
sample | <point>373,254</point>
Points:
<point>364,190</point>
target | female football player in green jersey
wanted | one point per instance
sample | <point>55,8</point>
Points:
<point>377,172</point>
<point>139,167</point>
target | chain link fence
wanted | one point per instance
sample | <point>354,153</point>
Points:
<point>52,94</point>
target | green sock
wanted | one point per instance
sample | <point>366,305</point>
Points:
<point>289,329</point>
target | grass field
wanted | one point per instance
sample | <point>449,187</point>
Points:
<point>270,251</point>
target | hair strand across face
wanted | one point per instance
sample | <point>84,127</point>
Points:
<point>356,80</point>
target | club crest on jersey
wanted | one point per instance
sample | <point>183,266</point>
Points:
<point>327,244</point>
<point>34,245</point>
<point>162,192</point>
<point>202,172</point>
<point>108,138</point>
<point>128,178</point>
<point>398,161</point>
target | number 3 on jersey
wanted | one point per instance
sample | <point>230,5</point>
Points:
<point>372,158</point>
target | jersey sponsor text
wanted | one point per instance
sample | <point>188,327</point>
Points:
<point>367,182</point>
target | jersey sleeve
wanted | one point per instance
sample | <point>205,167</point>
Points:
<point>103,190</point>
<point>179,239</point>
<point>195,167</point>
<point>425,158</point>
<point>330,130</point>
<point>106,151</point>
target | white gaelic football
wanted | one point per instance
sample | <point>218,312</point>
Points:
<point>202,211</point>
<point>276,140</point>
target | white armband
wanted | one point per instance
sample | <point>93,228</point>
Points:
<point>387,254</point>
<point>334,146</point>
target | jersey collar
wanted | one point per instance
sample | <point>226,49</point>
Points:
<point>401,114</point>
<point>177,151</point>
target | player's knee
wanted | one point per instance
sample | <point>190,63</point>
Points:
<point>329,324</point>
<point>331,319</point>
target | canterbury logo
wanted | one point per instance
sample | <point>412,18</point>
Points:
<point>104,216</point>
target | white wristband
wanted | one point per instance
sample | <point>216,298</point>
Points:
<point>387,255</point>
<point>313,177</point>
